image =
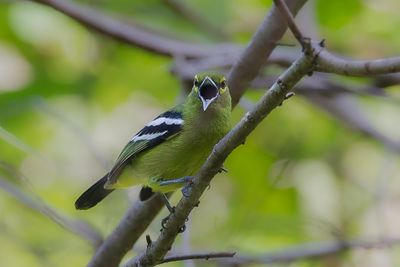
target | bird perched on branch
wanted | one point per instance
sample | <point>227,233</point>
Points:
<point>172,147</point>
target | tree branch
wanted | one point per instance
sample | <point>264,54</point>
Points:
<point>131,227</point>
<point>287,15</point>
<point>141,214</point>
<point>328,62</point>
<point>121,240</point>
<point>259,49</point>
<point>134,35</point>
<point>205,256</point>
<point>273,98</point>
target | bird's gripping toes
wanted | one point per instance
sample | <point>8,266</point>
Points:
<point>171,147</point>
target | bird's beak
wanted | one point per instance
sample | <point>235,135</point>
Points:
<point>208,92</point>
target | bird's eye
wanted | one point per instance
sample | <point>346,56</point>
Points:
<point>196,83</point>
<point>223,84</point>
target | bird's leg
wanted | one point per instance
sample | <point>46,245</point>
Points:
<point>187,188</point>
<point>182,180</point>
<point>186,181</point>
<point>170,208</point>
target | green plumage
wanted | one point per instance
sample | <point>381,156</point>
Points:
<point>182,153</point>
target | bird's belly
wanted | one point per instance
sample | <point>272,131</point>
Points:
<point>170,161</point>
<point>180,156</point>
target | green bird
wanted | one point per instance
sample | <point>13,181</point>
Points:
<point>172,147</point>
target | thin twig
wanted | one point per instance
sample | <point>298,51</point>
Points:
<point>204,256</point>
<point>289,19</point>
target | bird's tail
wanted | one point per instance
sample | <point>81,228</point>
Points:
<point>93,195</point>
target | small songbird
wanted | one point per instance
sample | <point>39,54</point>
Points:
<point>171,147</point>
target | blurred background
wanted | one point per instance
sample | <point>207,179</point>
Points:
<point>71,98</point>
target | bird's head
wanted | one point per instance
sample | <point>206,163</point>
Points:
<point>211,89</point>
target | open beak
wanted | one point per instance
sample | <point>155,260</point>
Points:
<point>208,92</point>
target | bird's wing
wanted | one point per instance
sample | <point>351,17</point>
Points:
<point>163,127</point>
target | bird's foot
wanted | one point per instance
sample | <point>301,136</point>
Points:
<point>165,221</point>
<point>179,181</point>
<point>170,208</point>
<point>165,199</point>
<point>182,229</point>
<point>186,181</point>
<point>187,188</point>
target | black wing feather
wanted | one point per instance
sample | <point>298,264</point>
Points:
<point>134,148</point>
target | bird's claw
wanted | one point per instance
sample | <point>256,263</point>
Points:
<point>187,188</point>
<point>182,229</point>
<point>165,221</point>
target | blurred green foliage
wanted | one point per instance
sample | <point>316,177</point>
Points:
<point>70,99</point>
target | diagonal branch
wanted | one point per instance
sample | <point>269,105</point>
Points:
<point>205,256</point>
<point>131,227</point>
<point>287,14</point>
<point>134,35</point>
<point>328,62</point>
<point>258,51</point>
<point>273,98</point>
